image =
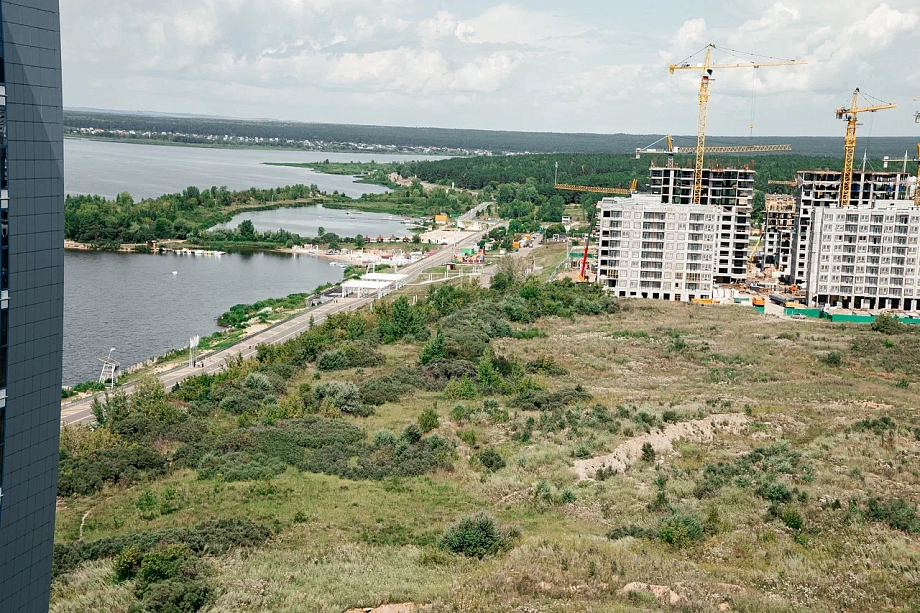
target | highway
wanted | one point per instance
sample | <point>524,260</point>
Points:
<point>80,411</point>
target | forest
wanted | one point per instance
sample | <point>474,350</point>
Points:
<point>485,140</point>
<point>106,223</point>
<point>192,214</point>
<point>607,170</point>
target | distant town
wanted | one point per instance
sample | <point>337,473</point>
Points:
<point>227,140</point>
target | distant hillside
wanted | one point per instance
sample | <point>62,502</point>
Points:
<point>486,140</point>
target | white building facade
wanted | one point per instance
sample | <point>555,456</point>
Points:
<point>864,257</point>
<point>662,251</point>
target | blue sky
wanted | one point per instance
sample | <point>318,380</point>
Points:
<point>577,66</point>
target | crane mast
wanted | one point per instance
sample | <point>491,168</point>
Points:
<point>850,115</point>
<point>707,67</point>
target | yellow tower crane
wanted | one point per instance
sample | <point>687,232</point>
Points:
<point>850,115</point>
<point>610,191</point>
<point>615,191</point>
<point>671,151</point>
<point>707,67</point>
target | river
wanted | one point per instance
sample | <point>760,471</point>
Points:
<point>135,304</point>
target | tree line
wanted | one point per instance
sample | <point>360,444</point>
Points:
<point>485,140</point>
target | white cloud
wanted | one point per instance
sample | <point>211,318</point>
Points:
<point>579,66</point>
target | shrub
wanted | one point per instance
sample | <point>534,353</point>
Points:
<point>896,512</point>
<point>392,387</point>
<point>568,496</point>
<point>477,536</point>
<point>339,396</point>
<point>237,466</point>
<point>491,460</point>
<point>775,492</point>
<point>792,517</point>
<point>428,420</point>
<point>459,414</point>
<point>384,438</point>
<point>534,400</point>
<point>209,537</point>
<point>435,349</point>
<point>833,359</point>
<point>333,360</point>
<point>877,426</point>
<point>680,530</point>
<point>412,433</point>
<point>546,364</point>
<point>888,324</point>
<point>176,596</point>
<point>648,452</point>
<point>633,531</point>
<point>468,437</point>
<point>86,474</point>
<point>164,563</point>
<point>128,563</point>
<point>461,389</point>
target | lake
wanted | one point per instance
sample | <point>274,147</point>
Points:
<point>135,304</point>
<point>148,171</point>
<point>306,221</point>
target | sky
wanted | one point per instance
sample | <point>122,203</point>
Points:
<point>578,66</point>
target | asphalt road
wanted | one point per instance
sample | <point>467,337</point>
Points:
<point>80,411</point>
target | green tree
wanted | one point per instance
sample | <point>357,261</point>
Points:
<point>247,230</point>
<point>434,350</point>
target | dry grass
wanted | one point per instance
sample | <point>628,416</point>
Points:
<point>367,543</point>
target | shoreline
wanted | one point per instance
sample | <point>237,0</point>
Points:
<point>166,143</point>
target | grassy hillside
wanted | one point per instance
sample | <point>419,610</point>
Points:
<point>793,488</point>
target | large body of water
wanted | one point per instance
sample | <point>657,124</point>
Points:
<point>147,171</point>
<point>134,303</point>
<point>306,221</point>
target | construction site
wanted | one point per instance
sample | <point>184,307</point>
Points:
<point>844,243</point>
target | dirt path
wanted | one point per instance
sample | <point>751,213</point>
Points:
<point>662,441</point>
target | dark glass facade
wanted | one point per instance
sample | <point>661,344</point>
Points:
<point>31,297</point>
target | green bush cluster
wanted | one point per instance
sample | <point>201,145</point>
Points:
<point>86,474</point>
<point>478,536</point>
<point>390,388</point>
<point>318,445</point>
<point>210,537</point>
<point>877,426</point>
<point>680,529</point>
<point>547,365</point>
<point>340,397</point>
<point>536,400</point>
<point>888,324</point>
<point>350,354</point>
<point>167,579</point>
<point>762,469</point>
<point>491,460</point>
<point>897,513</point>
<point>239,314</point>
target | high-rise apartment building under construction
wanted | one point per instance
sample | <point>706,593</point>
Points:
<point>864,255</point>
<point>731,192</point>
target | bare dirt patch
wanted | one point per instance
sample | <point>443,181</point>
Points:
<point>662,441</point>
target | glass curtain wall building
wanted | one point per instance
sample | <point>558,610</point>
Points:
<point>31,297</point>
